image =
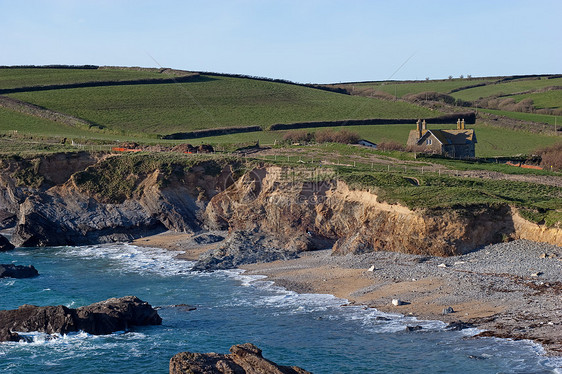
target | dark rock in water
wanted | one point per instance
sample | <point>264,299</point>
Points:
<point>8,336</point>
<point>100,318</point>
<point>187,308</point>
<point>243,359</point>
<point>17,271</point>
<point>116,314</point>
<point>382,319</point>
<point>5,244</point>
<point>208,239</point>
<point>459,325</point>
<point>244,247</point>
<point>413,328</point>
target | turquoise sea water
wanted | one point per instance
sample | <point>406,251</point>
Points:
<point>311,331</point>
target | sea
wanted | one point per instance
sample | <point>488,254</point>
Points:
<point>316,332</point>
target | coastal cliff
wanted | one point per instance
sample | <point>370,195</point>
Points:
<point>311,214</point>
<point>104,198</point>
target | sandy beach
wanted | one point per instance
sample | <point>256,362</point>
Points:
<point>511,290</point>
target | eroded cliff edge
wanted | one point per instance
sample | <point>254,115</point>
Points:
<point>85,199</point>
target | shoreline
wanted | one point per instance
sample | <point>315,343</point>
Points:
<point>510,290</point>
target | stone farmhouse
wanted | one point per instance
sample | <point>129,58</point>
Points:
<point>459,143</point>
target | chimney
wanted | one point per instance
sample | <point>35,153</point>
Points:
<point>458,124</point>
<point>418,128</point>
<point>462,124</point>
<point>424,127</point>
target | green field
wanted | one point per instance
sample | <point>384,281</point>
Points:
<point>492,141</point>
<point>403,88</point>
<point>506,88</point>
<point>13,78</point>
<point>141,112</point>
<point>213,102</point>
<point>11,121</point>
<point>543,100</point>
<point>532,117</point>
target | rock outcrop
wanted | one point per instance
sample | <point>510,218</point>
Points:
<point>5,244</point>
<point>243,359</point>
<point>244,247</point>
<point>100,318</point>
<point>313,215</point>
<point>17,271</point>
<point>69,215</point>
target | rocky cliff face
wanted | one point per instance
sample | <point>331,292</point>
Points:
<point>296,212</point>
<point>67,214</point>
<point>311,215</point>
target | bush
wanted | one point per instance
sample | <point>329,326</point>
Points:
<point>429,96</point>
<point>332,136</point>
<point>390,146</point>
<point>551,157</point>
<point>298,136</point>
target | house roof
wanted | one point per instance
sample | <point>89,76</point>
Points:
<point>450,137</point>
<point>365,141</point>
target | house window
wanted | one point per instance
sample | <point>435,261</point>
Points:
<point>428,142</point>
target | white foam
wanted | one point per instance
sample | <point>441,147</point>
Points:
<point>41,338</point>
<point>131,258</point>
<point>290,302</point>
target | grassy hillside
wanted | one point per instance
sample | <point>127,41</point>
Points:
<point>403,88</point>
<point>11,121</point>
<point>507,87</point>
<point>531,117</point>
<point>213,102</point>
<point>141,112</point>
<point>543,100</point>
<point>28,77</point>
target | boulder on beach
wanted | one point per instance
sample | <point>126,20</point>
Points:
<point>243,359</point>
<point>5,244</point>
<point>17,271</point>
<point>104,317</point>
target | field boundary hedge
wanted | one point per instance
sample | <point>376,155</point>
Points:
<point>469,118</point>
<point>211,132</point>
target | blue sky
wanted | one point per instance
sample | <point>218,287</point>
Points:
<point>304,41</point>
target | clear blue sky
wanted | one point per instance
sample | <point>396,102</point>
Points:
<point>304,41</point>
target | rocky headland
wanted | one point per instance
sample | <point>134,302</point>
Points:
<point>100,318</point>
